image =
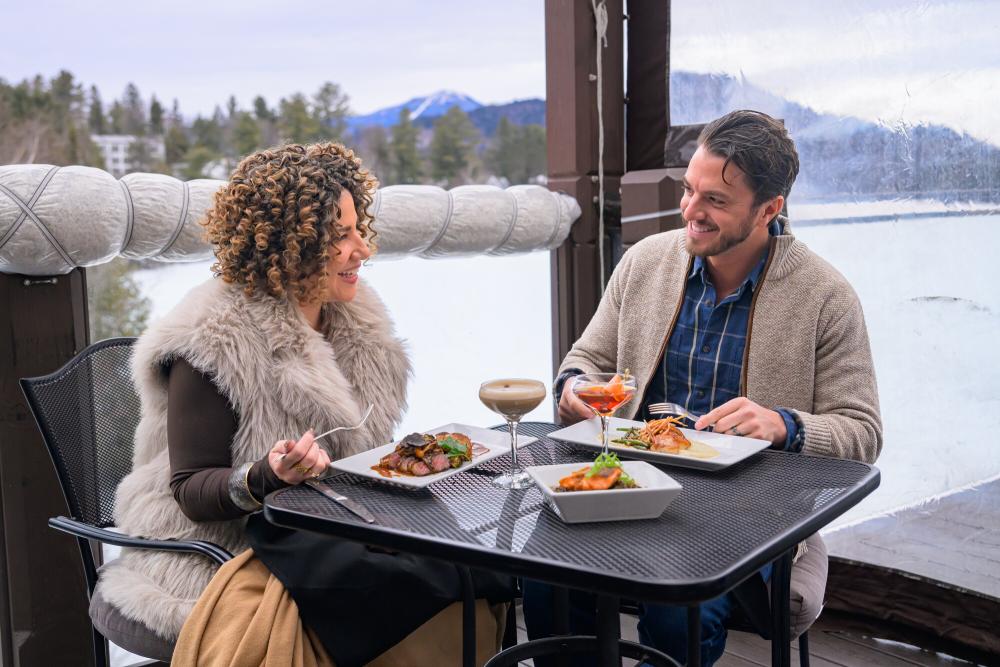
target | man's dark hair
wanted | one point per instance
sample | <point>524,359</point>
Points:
<point>760,146</point>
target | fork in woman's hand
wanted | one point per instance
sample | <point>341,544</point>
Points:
<point>368,412</point>
<point>371,406</point>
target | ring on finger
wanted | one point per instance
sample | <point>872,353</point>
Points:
<point>298,467</point>
<point>735,431</point>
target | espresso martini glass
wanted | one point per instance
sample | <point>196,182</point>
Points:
<point>512,398</point>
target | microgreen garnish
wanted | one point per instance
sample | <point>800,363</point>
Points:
<point>609,460</point>
<point>453,447</point>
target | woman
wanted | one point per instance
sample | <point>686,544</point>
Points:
<point>284,340</point>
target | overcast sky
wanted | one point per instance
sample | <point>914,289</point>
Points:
<point>380,52</point>
<point>916,61</point>
<point>881,60</point>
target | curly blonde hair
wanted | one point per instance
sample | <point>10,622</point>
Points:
<point>273,224</point>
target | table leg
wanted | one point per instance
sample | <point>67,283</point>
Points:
<point>560,610</point>
<point>608,631</point>
<point>781,576</point>
<point>694,636</point>
<point>468,618</point>
<point>560,621</point>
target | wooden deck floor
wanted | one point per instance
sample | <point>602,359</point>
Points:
<point>827,648</point>
<point>927,574</point>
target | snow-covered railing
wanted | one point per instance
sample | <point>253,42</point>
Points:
<point>53,219</point>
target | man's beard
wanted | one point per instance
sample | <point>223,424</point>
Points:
<point>723,241</point>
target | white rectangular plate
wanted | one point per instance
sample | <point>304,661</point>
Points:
<point>498,443</point>
<point>732,448</point>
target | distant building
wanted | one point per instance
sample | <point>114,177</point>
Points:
<point>115,148</point>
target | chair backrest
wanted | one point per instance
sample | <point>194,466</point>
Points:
<point>87,412</point>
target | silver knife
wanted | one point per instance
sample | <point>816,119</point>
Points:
<point>342,500</point>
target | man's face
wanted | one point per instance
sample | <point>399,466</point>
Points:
<point>719,213</point>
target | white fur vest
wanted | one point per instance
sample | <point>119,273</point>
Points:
<point>282,378</point>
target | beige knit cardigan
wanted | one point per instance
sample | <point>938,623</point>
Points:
<point>807,345</point>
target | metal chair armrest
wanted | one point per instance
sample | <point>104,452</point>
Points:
<point>85,530</point>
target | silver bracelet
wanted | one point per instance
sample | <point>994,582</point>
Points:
<point>239,488</point>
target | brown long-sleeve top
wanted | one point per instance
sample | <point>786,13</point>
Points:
<point>201,425</point>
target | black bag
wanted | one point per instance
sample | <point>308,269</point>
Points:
<point>360,601</point>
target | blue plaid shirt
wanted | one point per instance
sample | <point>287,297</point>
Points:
<point>702,364</point>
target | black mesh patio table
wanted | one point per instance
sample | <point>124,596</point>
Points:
<point>724,526</point>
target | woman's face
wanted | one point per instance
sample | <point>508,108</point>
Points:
<point>342,269</point>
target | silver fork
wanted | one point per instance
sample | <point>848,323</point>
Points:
<point>368,412</point>
<point>671,409</point>
<point>371,406</point>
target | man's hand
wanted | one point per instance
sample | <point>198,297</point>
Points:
<point>571,408</point>
<point>741,416</point>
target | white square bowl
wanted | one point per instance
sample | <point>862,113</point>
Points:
<point>656,490</point>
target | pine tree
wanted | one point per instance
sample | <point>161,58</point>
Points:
<point>96,115</point>
<point>406,167</point>
<point>207,133</point>
<point>451,146</point>
<point>197,158</point>
<point>246,134</point>
<point>535,155</point>
<point>377,152</point>
<point>330,111</point>
<point>175,140</point>
<point>232,107</point>
<point>139,156</point>
<point>62,92</point>
<point>134,117</point>
<point>295,122</point>
<point>260,110</point>
<point>175,143</point>
<point>116,118</point>
<point>155,116</point>
<point>116,304</point>
<point>518,152</point>
<point>505,156</point>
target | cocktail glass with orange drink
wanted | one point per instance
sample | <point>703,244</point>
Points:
<point>604,393</point>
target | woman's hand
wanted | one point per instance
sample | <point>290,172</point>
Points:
<point>295,462</point>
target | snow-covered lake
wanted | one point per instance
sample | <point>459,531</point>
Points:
<point>931,297</point>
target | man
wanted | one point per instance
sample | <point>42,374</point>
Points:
<point>737,321</point>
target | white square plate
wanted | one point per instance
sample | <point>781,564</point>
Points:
<point>732,448</point>
<point>656,490</point>
<point>498,443</point>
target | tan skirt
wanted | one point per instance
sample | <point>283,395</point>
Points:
<point>246,617</point>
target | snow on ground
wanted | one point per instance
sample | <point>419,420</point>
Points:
<point>812,212</point>
<point>465,320</point>
<point>931,298</point>
<point>932,302</point>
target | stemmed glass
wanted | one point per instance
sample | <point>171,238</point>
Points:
<point>604,393</point>
<point>512,398</point>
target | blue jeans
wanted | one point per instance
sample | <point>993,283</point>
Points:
<point>663,627</point>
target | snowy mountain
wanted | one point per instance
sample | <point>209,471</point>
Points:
<point>429,106</point>
<point>841,156</point>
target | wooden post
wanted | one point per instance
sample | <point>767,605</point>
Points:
<point>647,86</point>
<point>43,595</point>
<point>572,128</point>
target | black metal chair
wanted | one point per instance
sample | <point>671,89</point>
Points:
<point>87,412</point>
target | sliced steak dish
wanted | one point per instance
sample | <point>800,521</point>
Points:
<point>420,454</point>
